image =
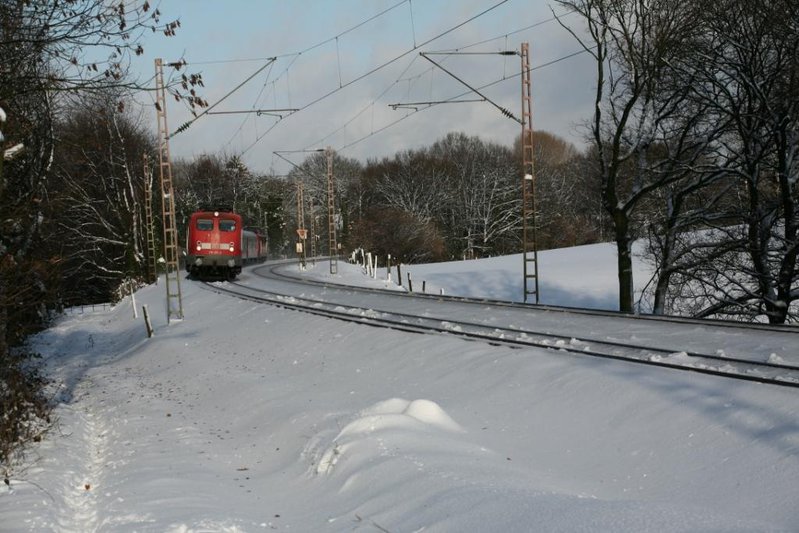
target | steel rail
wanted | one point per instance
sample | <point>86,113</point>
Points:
<point>646,355</point>
<point>781,328</point>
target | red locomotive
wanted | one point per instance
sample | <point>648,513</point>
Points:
<point>217,245</point>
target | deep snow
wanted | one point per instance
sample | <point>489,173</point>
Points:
<point>582,276</point>
<point>245,417</point>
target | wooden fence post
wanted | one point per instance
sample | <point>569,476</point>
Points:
<point>147,321</point>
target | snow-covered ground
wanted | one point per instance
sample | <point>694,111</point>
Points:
<point>583,276</point>
<point>244,417</point>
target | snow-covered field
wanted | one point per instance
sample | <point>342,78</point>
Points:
<point>583,276</point>
<point>244,417</point>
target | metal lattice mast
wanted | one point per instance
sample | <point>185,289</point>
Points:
<point>152,259</point>
<point>529,244</point>
<point>174,300</point>
<point>301,231</point>
<point>300,206</point>
<point>312,234</point>
<point>331,213</point>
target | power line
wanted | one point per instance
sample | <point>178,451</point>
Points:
<point>454,98</point>
<point>308,49</point>
<point>186,125</point>
<point>514,32</point>
<point>257,98</point>
<point>363,110</point>
<point>502,110</point>
<point>420,75</point>
<point>295,56</point>
<point>389,62</point>
<point>380,67</point>
<point>258,112</point>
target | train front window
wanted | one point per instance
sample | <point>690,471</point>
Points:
<point>227,225</point>
<point>205,224</point>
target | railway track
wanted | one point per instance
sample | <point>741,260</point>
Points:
<point>771,371</point>
<point>275,272</point>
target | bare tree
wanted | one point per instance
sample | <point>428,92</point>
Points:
<point>482,199</point>
<point>750,80</point>
<point>52,50</point>
<point>203,184</point>
<point>634,43</point>
<point>313,173</point>
<point>97,180</point>
<point>83,45</point>
<point>562,193</point>
<point>401,234</point>
<point>412,182</point>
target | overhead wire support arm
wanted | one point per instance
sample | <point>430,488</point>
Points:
<point>503,110</point>
<point>186,125</point>
<point>457,53</point>
<point>386,63</point>
<point>416,105</point>
<point>259,112</point>
<point>292,163</point>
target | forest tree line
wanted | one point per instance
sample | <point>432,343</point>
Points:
<point>70,175</point>
<point>457,198</point>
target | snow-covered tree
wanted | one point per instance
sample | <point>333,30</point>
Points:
<point>750,79</point>
<point>53,50</point>
<point>634,44</point>
<point>482,203</point>
<point>95,216</point>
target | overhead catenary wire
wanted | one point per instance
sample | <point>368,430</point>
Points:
<point>363,110</point>
<point>304,50</point>
<point>389,62</point>
<point>429,70</point>
<point>186,125</point>
<point>292,163</point>
<point>374,132</point>
<point>484,98</point>
<point>506,35</point>
<point>461,95</point>
<point>413,25</point>
<point>255,104</point>
<point>295,56</point>
<point>503,110</point>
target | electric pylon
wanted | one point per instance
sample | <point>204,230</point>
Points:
<point>331,213</point>
<point>302,233</point>
<point>529,244</point>
<point>174,300</point>
<point>152,259</point>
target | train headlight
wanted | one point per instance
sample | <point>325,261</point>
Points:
<point>231,247</point>
<point>199,246</point>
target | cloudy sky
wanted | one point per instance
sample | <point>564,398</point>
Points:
<point>342,63</point>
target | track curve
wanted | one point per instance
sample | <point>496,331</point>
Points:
<point>683,345</point>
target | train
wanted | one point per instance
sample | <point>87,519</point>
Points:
<point>217,245</point>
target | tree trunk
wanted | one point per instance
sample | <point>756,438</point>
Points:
<point>624,261</point>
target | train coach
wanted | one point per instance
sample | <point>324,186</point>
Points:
<point>217,245</point>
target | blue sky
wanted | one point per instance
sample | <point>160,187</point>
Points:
<point>217,38</point>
